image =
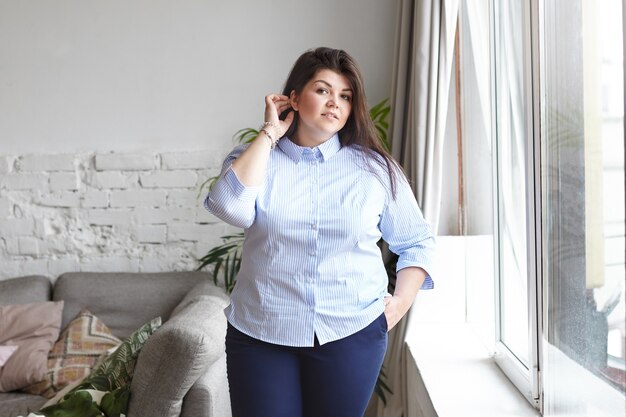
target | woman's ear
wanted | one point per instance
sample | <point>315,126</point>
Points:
<point>293,100</point>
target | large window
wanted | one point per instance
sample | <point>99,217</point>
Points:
<point>556,129</point>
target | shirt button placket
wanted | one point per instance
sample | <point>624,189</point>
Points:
<point>314,172</point>
<point>315,207</point>
<point>312,166</point>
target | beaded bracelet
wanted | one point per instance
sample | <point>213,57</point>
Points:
<point>275,126</point>
<point>269,137</point>
<point>270,124</point>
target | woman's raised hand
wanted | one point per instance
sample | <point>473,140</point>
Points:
<point>275,105</point>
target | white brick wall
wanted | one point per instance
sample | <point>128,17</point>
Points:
<point>114,179</point>
<point>58,162</point>
<point>64,181</point>
<point>125,162</point>
<point>95,198</point>
<point>190,160</point>
<point>24,182</point>
<point>59,199</point>
<point>6,206</point>
<point>105,212</point>
<point>137,198</point>
<point>168,179</point>
<point>4,165</point>
<point>17,227</point>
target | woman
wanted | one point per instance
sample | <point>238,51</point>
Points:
<point>315,191</point>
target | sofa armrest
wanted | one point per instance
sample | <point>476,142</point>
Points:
<point>176,355</point>
<point>209,395</point>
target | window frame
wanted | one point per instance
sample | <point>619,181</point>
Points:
<point>526,379</point>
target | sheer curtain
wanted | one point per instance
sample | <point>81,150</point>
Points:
<point>419,102</point>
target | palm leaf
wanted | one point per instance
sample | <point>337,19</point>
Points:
<point>246,135</point>
<point>225,260</point>
<point>379,115</point>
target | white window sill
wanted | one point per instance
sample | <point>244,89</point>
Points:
<point>457,376</point>
<point>573,391</point>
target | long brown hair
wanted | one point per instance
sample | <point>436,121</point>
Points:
<point>359,128</point>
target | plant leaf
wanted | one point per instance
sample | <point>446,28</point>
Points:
<point>379,114</point>
<point>225,259</point>
<point>245,135</point>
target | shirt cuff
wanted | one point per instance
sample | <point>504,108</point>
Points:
<point>240,191</point>
<point>428,283</point>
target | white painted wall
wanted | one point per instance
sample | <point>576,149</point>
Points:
<point>128,75</point>
<point>113,113</point>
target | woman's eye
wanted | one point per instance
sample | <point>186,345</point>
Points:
<point>322,91</point>
<point>348,98</point>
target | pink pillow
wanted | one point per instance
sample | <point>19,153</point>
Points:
<point>5,354</point>
<point>33,328</point>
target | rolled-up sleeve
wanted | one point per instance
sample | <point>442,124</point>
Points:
<point>407,233</point>
<point>229,199</point>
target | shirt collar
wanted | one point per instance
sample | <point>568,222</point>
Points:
<point>326,149</point>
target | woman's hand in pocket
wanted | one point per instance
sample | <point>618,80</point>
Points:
<point>395,309</point>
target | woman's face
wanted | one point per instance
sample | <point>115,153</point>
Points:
<point>324,106</point>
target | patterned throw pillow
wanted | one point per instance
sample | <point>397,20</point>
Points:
<point>107,390</point>
<point>75,354</point>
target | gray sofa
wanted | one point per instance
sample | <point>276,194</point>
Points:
<point>181,369</point>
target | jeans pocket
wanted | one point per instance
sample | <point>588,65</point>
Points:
<point>383,322</point>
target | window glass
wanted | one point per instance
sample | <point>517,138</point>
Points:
<point>583,203</point>
<point>511,140</point>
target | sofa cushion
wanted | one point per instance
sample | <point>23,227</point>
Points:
<point>33,328</point>
<point>177,355</point>
<point>19,404</point>
<point>75,354</point>
<point>24,290</point>
<point>124,301</point>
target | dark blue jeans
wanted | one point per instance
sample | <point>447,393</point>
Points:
<point>333,380</point>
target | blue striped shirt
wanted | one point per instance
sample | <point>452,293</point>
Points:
<point>311,264</point>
